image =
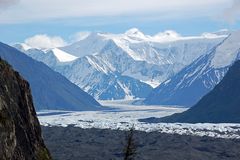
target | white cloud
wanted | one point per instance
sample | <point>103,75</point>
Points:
<point>232,14</point>
<point>35,10</point>
<point>43,41</point>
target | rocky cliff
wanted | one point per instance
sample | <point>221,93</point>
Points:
<point>20,132</point>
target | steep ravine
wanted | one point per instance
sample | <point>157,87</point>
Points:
<point>20,132</point>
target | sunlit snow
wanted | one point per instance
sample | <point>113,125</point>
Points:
<point>63,56</point>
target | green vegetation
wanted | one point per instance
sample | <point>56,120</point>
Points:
<point>43,154</point>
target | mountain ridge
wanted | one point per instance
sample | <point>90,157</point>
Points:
<point>50,89</point>
<point>194,81</point>
<point>221,105</point>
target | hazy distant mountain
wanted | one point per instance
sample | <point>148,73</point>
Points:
<point>194,81</point>
<point>50,89</point>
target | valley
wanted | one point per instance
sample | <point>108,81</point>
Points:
<point>122,115</point>
<point>119,80</point>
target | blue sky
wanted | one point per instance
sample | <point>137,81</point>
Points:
<point>21,19</point>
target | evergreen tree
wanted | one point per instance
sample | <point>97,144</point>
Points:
<point>130,148</point>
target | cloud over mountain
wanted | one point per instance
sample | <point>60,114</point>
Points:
<point>43,41</point>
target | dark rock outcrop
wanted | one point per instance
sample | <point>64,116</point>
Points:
<point>20,132</point>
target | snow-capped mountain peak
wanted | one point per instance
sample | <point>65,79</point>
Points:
<point>168,35</point>
<point>22,46</point>
<point>63,56</point>
<point>210,35</point>
<point>81,36</point>
<point>134,32</point>
<point>230,50</point>
<point>223,32</point>
<point>171,36</point>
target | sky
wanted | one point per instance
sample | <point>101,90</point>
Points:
<point>62,21</point>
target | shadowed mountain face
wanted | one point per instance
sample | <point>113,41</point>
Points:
<point>221,105</point>
<point>189,85</point>
<point>20,132</point>
<point>50,89</point>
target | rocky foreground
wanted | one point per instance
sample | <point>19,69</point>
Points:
<point>20,132</point>
<point>74,143</point>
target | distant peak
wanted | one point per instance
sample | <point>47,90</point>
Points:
<point>167,36</point>
<point>222,32</point>
<point>209,35</point>
<point>133,31</point>
<point>81,36</point>
<point>22,46</point>
<point>136,34</point>
<point>168,33</point>
<point>94,35</point>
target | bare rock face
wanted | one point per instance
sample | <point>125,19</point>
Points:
<point>20,132</point>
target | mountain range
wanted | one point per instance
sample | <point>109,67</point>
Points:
<point>124,66</point>
<point>194,81</point>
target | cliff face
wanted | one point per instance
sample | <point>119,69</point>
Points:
<point>20,132</point>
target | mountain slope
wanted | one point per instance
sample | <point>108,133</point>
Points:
<point>20,132</point>
<point>50,89</point>
<point>102,75</point>
<point>112,74</point>
<point>194,81</point>
<point>187,86</point>
<point>221,105</point>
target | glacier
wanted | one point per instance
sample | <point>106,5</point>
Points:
<point>122,115</point>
